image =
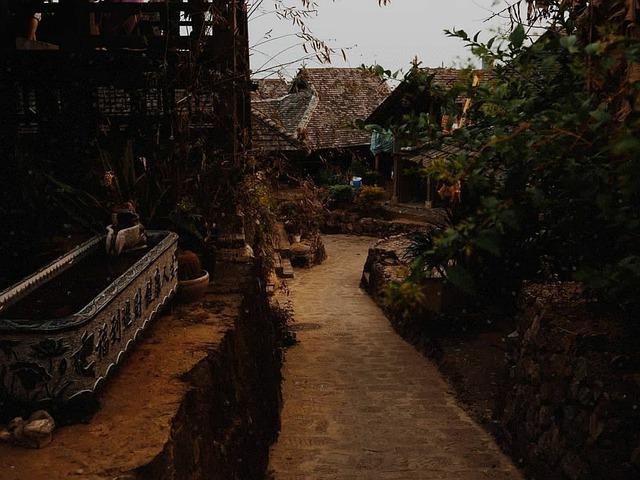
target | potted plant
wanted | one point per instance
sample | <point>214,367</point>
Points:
<point>193,280</point>
<point>301,217</point>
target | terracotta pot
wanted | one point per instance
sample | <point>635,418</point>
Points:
<point>193,290</point>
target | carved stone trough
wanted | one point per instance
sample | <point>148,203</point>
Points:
<point>57,355</point>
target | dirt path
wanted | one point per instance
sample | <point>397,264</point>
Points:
<point>139,404</point>
<point>359,402</point>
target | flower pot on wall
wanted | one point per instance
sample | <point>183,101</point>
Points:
<point>194,289</point>
<point>193,280</point>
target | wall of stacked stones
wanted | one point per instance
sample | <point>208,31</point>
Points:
<point>341,222</point>
<point>571,402</point>
<point>232,415</point>
<point>569,405</point>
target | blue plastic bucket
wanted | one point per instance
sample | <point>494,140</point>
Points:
<point>356,182</point>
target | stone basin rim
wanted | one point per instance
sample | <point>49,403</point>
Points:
<point>100,301</point>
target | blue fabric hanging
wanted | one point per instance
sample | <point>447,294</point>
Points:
<point>381,142</point>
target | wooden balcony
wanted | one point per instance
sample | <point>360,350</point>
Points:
<point>181,60</point>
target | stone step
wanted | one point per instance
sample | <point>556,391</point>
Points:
<point>282,241</point>
<point>282,266</point>
<point>287,269</point>
<point>277,263</point>
<point>236,240</point>
<point>232,239</point>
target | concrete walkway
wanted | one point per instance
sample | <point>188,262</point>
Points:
<point>359,402</point>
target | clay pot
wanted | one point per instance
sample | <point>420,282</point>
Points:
<point>193,290</point>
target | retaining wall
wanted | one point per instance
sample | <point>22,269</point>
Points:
<point>230,417</point>
<point>571,402</point>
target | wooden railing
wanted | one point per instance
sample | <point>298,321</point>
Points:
<point>160,25</point>
<point>182,59</point>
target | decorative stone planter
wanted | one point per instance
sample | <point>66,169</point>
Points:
<point>193,290</point>
<point>64,355</point>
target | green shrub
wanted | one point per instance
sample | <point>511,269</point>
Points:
<point>302,214</point>
<point>329,176</point>
<point>551,191</point>
<point>358,167</point>
<point>370,197</point>
<point>340,195</point>
<point>404,297</point>
<point>371,177</point>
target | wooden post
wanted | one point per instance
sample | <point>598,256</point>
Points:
<point>395,172</point>
<point>396,178</point>
<point>427,203</point>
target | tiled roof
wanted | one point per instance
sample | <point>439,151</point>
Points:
<point>407,94</point>
<point>344,95</point>
<point>319,110</point>
<point>449,76</point>
<point>269,88</point>
<point>427,153</point>
<point>268,136</point>
<point>279,123</point>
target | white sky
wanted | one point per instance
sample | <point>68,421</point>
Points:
<point>389,36</point>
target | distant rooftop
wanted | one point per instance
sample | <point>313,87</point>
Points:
<point>319,109</point>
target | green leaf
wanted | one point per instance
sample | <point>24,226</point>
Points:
<point>592,48</point>
<point>600,116</point>
<point>488,241</point>
<point>627,145</point>
<point>461,279</point>
<point>517,36</point>
<point>490,203</point>
<point>568,42</point>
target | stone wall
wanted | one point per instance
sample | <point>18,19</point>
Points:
<point>198,398</point>
<point>231,415</point>
<point>571,404</point>
<point>342,222</point>
<point>386,261</point>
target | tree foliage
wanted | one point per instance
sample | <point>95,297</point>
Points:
<point>551,190</point>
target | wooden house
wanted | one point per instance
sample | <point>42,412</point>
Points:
<point>314,122</point>
<point>435,92</point>
<point>176,83</point>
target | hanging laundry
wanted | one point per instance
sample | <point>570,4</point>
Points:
<point>381,142</point>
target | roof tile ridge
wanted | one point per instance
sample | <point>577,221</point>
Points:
<point>271,99</point>
<point>313,103</point>
<point>266,119</point>
<point>278,129</point>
